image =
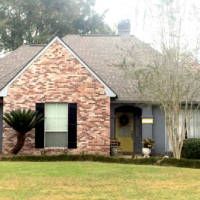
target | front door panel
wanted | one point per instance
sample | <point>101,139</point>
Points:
<point>124,131</point>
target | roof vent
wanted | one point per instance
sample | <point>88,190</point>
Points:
<point>124,27</point>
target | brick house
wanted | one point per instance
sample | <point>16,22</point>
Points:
<point>87,101</point>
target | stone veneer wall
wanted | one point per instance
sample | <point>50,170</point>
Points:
<point>56,76</point>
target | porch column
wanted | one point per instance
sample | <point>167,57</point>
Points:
<point>147,128</point>
<point>112,123</point>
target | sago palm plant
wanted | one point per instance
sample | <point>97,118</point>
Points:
<point>22,121</point>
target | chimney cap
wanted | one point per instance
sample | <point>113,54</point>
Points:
<point>124,27</point>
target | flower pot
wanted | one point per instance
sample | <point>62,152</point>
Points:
<point>114,151</point>
<point>146,152</point>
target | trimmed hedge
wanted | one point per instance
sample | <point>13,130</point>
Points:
<point>181,163</point>
<point>97,158</point>
<point>64,157</point>
<point>191,148</point>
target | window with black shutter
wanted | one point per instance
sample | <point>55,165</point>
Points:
<point>59,128</point>
<point>72,126</point>
<point>56,125</point>
<point>39,129</point>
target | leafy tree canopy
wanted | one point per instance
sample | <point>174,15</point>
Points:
<point>38,21</point>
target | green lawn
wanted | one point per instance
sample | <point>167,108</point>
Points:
<point>89,180</point>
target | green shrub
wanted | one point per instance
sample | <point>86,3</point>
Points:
<point>148,143</point>
<point>180,163</point>
<point>191,148</point>
<point>97,158</point>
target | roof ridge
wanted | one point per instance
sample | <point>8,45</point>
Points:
<point>36,45</point>
<point>98,35</point>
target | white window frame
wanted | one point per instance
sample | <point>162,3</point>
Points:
<point>65,147</point>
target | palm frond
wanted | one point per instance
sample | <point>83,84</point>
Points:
<point>22,121</point>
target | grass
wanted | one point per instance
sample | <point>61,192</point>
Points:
<point>93,180</point>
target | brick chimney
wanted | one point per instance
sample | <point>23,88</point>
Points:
<point>124,27</point>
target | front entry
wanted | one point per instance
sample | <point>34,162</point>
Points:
<point>124,131</point>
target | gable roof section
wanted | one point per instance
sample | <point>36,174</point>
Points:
<point>97,53</point>
<point>103,52</point>
<point>11,64</point>
<point>19,60</point>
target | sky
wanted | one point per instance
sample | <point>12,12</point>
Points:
<point>144,17</point>
<point>122,9</point>
<point>117,9</point>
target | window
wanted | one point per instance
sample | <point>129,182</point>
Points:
<point>192,124</point>
<point>56,125</point>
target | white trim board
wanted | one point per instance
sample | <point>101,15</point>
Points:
<point>108,91</point>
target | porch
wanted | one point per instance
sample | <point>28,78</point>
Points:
<point>131,123</point>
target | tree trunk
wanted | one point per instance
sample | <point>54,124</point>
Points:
<point>19,144</point>
<point>175,138</point>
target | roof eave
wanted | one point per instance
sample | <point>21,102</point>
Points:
<point>109,92</point>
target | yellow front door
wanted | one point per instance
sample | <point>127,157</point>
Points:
<point>124,131</point>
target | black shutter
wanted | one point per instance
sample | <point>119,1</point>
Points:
<point>39,129</point>
<point>72,126</point>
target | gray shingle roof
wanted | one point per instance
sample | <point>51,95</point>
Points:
<point>14,62</point>
<point>100,53</point>
<point>103,53</point>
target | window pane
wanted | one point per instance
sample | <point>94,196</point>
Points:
<point>194,124</point>
<point>53,139</point>
<point>62,110</point>
<point>62,124</point>
<point>56,117</point>
<point>50,110</point>
<point>50,124</point>
<point>62,119</point>
<point>50,117</point>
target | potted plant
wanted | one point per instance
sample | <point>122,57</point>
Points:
<point>147,146</point>
<point>114,147</point>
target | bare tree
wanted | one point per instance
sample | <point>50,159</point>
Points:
<point>172,80</point>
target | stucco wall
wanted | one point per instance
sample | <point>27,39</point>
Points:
<point>56,76</point>
<point>159,130</point>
